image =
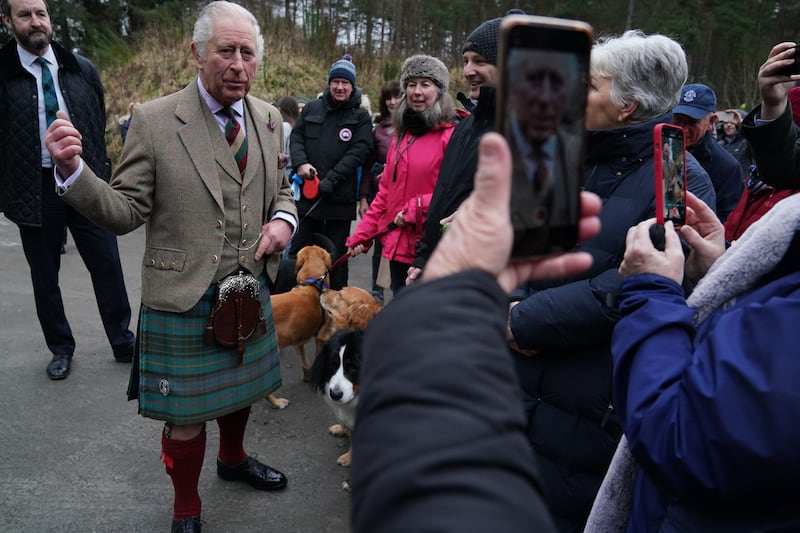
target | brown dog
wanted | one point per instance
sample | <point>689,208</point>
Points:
<point>350,307</point>
<point>298,314</point>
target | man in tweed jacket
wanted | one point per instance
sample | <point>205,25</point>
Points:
<point>205,220</point>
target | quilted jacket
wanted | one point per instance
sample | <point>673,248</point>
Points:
<point>20,151</point>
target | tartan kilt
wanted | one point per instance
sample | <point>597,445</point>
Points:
<point>183,380</point>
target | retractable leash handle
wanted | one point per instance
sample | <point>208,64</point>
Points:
<point>311,185</point>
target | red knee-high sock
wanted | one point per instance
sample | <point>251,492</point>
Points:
<point>183,460</point>
<point>231,437</point>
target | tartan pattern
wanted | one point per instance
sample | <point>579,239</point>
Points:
<point>204,381</point>
<point>236,139</point>
<point>49,89</point>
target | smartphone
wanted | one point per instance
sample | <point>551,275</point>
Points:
<point>794,68</point>
<point>670,174</point>
<point>724,116</point>
<point>543,80</point>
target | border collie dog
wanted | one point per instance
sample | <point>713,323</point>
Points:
<point>334,374</point>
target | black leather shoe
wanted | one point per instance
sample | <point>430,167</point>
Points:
<point>191,524</point>
<point>256,474</point>
<point>59,366</point>
<point>124,354</point>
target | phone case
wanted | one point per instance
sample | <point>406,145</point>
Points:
<point>669,148</point>
<point>543,66</point>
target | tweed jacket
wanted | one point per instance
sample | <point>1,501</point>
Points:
<point>171,176</point>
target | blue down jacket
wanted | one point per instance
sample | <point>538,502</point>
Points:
<point>707,389</point>
<point>572,425</point>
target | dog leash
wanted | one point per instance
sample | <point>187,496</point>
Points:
<point>346,256</point>
<point>313,206</point>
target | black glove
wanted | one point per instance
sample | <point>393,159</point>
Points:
<point>326,186</point>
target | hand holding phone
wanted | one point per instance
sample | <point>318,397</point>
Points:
<point>541,104</point>
<point>794,68</point>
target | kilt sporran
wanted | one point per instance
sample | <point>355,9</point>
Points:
<point>236,314</point>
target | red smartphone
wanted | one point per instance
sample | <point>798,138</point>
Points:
<point>670,174</point>
<point>543,67</point>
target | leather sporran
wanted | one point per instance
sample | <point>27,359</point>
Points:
<point>236,314</point>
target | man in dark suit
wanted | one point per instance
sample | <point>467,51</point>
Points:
<point>545,139</point>
<point>33,64</point>
<point>201,170</point>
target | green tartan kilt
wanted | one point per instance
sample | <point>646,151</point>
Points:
<point>183,380</point>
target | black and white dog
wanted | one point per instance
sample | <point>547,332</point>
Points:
<point>334,374</point>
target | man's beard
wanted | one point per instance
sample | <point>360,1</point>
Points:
<point>35,41</point>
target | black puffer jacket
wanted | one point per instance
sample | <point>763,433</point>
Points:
<point>20,148</point>
<point>336,140</point>
<point>457,173</point>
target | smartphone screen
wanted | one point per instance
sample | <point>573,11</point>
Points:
<point>670,174</point>
<point>543,71</point>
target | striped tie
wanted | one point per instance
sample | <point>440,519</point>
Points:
<point>50,98</point>
<point>236,139</point>
<point>541,178</point>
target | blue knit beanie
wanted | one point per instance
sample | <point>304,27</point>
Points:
<point>345,69</point>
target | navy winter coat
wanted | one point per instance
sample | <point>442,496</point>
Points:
<point>724,171</point>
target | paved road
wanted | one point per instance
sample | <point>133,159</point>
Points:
<point>76,457</point>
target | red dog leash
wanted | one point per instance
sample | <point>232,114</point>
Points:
<point>346,256</point>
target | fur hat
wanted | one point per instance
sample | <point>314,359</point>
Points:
<point>345,69</point>
<point>422,66</point>
<point>483,39</point>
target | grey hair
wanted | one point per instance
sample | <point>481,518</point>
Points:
<point>442,111</point>
<point>648,69</point>
<point>202,28</point>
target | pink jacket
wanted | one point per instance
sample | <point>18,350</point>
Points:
<point>412,167</point>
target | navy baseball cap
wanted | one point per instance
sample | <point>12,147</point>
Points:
<point>697,101</point>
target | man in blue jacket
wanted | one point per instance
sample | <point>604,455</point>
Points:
<point>695,114</point>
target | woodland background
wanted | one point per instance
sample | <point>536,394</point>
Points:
<point>141,47</point>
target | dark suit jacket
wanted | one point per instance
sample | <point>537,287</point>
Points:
<point>527,205</point>
<point>171,177</point>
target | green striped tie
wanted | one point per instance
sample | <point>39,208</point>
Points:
<point>50,98</point>
<point>236,139</point>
